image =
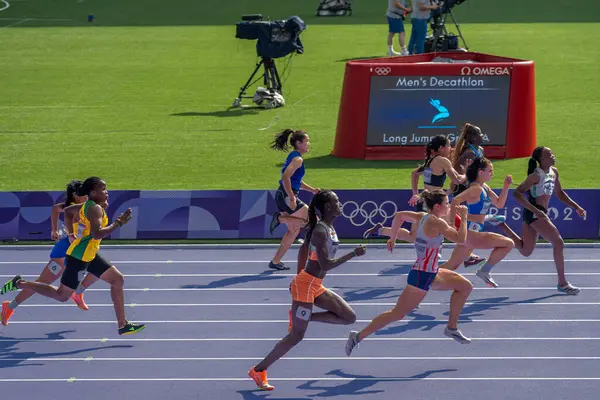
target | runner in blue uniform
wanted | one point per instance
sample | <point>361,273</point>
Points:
<point>292,211</point>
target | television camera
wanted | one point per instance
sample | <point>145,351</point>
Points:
<point>440,39</point>
<point>275,39</point>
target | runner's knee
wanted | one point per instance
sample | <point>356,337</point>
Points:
<point>465,286</point>
<point>349,317</point>
<point>296,336</point>
<point>558,243</point>
<point>509,243</point>
<point>115,279</point>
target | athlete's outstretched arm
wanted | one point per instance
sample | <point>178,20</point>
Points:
<point>303,255</point>
<point>519,194</point>
<point>287,175</point>
<point>414,183</point>
<point>564,197</point>
<point>404,216</point>
<point>453,174</point>
<point>319,240</point>
<point>56,210</point>
<point>95,214</point>
<point>308,188</point>
<point>70,213</point>
<point>500,201</point>
<point>449,232</point>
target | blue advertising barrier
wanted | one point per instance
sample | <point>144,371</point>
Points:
<point>246,214</point>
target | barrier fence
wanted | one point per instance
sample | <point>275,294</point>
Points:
<point>246,214</point>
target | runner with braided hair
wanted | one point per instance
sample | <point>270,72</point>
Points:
<point>55,267</point>
<point>307,289</point>
<point>82,255</point>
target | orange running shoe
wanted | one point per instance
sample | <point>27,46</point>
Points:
<point>78,299</point>
<point>6,312</point>
<point>290,323</point>
<point>260,378</point>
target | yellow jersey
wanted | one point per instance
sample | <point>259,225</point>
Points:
<point>85,247</point>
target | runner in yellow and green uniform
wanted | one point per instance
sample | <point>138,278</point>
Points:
<point>83,255</point>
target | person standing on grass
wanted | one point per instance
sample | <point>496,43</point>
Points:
<point>396,13</point>
<point>418,33</point>
<point>292,211</point>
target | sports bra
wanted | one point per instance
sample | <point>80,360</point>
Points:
<point>482,206</point>
<point>545,185</point>
<point>430,179</point>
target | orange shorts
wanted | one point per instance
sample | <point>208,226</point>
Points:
<point>305,287</point>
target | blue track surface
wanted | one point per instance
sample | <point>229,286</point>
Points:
<point>212,314</point>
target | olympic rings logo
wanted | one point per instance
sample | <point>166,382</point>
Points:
<point>359,215</point>
<point>382,70</point>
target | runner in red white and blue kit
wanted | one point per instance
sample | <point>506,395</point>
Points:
<point>428,231</point>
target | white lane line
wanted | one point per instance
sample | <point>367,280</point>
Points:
<point>448,358</point>
<point>353,304</point>
<point>277,321</point>
<point>317,339</point>
<point>375,379</point>
<point>386,261</point>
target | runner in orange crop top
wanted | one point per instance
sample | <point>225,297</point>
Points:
<point>307,288</point>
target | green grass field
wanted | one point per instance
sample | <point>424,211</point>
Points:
<point>140,97</point>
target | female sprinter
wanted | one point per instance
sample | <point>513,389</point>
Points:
<point>292,211</point>
<point>307,289</point>
<point>429,233</point>
<point>479,197</point>
<point>434,170</point>
<point>468,147</point>
<point>56,265</point>
<point>83,255</point>
<point>535,193</point>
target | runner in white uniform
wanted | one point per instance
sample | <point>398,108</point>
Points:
<point>535,194</point>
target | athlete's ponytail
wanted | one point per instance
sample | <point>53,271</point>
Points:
<point>534,161</point>
<point>469,131</point>
<point>434,145</point>
<point>281,139</point>
<point>317,204</point>
<point>73,189</point>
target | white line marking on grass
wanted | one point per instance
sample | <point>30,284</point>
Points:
<point>6,5</point>
<point>50,106</point>
<point>32,19</point>
<point>17,23</point>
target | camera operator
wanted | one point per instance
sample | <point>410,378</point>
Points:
<point>420,17</point>
<point>396,13</point>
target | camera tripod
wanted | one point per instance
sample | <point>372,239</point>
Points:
<point>271,79</point>
<point>439,30</point>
